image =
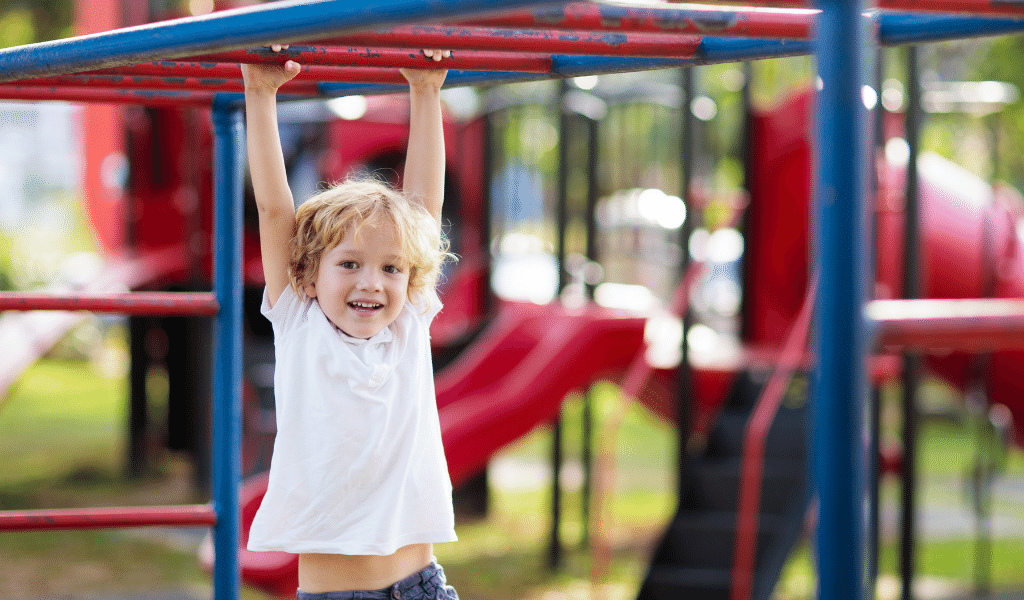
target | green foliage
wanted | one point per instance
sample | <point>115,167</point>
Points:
<point>28,21</point>
<point>17,28</point>
<point>6,243</point>
<point>776,78</point>
<point>1002,63</point>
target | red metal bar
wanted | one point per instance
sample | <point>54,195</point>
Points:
<point>749,506</point>
<point>206,84</point>
<point>364,56</point>
<point>972,325</point>
<point>101,518</point>
<point>598,43</point>
<point>105,95</point>
<point>1000,8</point>
<point>680,18</point>
<point>992,8</point>
<point>225,76</point>
<point>129,303</point>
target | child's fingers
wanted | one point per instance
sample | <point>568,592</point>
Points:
<point>436,54</point>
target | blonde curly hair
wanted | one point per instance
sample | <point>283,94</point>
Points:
<point>323,221</point>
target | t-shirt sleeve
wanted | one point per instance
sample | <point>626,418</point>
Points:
<point>286,311</point>
<point>426,304</point>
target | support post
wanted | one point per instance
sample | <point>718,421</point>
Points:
<point>555,553</point>
<point>875,414</point>
<point>684,375</point>
<point>137,459</point>
<point>593,193</point>
<point>229,153</point>
<point>911,360</point>
<point>874,486</point>
<point>840,258</point>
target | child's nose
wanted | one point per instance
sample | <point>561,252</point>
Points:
<point>370,280</point>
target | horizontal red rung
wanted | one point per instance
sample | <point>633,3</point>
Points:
<point>597,43</point>
<point>223,77</point>
<point>351,56</point>
<point>977,325</point>
<point>103,518</point>
<point>679,18</point>
<point>992,8</point>
<point>33,93</point>
<point>160,83</point>
<point>1010,8</point>
<point>129,303</point>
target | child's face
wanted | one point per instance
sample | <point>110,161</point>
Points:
<point>362,283</point>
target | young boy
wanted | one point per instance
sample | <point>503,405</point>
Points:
<point>359,486</point>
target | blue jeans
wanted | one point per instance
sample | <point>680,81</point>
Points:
<point>428,584</point>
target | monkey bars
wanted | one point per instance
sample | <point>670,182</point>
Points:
<point>345,56</point>
<point>353,47</point>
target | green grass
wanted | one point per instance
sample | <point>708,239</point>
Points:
<point>946,564</point>
<point>59,418</point>
<point>52,564</point>
<point>61,436</point>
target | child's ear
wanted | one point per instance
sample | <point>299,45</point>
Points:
<point>310,289</point>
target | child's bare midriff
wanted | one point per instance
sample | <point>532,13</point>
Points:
<point>341,572</point>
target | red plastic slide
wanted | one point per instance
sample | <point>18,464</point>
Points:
<point>516,377</point>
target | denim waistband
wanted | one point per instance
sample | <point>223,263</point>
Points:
<point>423,584</point>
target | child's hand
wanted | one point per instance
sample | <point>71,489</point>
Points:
<point>428,77</point>
<point>267,78</point>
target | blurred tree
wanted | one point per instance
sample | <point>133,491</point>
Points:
<point>28,21</point>
<point>1002,63</point>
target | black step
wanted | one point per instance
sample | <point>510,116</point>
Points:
<point>707,540</point>
<point>787,436</point>
<point>695,557</point>
<point>715,484</point>
<point>675,583</point>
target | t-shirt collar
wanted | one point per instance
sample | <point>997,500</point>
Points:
<point>381,337</point>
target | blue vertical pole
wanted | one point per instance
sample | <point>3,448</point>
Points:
<point>841,258</point>
<point>227,351</point>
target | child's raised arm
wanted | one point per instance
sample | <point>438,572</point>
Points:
<point>266,167</point>
<point>423,180</point>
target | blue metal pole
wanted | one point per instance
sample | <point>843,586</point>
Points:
<point>916,28</point>
<point>227,351</point>
<point>288,21</point>
<point>843,50</point>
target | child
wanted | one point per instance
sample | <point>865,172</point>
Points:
<point>359,486</point>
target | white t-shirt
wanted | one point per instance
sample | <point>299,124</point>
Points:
<point>358,464</point>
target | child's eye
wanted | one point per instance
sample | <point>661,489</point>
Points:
<point>392,269</point>
<point>348,264</point>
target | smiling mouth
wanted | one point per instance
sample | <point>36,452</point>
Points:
<point>365,305</point>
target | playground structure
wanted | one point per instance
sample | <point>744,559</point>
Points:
<point>521,344</point>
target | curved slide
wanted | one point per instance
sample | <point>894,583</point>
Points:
<point>517,375</point>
